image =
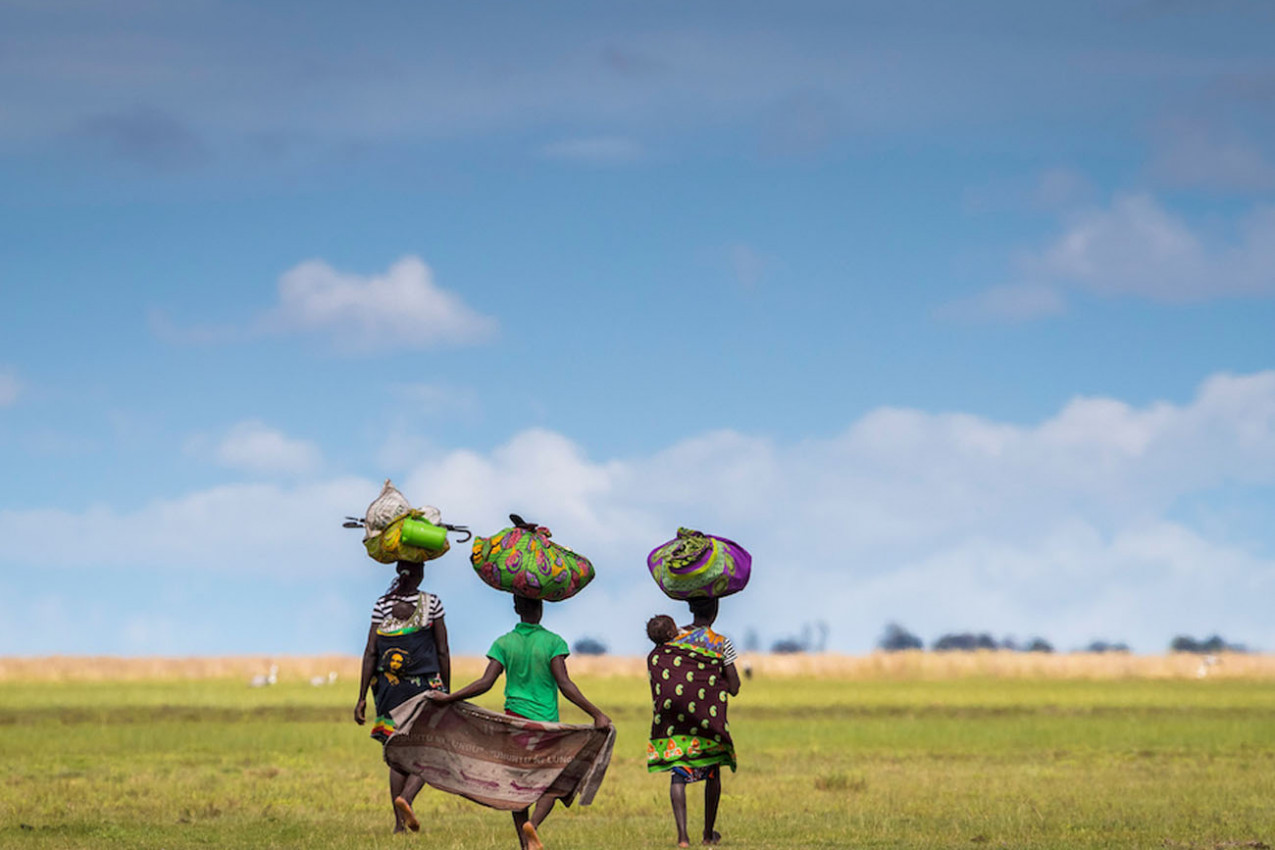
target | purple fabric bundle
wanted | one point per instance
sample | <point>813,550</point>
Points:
<point>695,564</point>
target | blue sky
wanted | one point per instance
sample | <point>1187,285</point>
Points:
<point>955,315</point>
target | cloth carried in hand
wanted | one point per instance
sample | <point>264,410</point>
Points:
<point>497,760</point>
<point>695,564</point>
<point>522,560</point>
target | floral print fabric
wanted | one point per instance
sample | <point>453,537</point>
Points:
<point>688,698</point>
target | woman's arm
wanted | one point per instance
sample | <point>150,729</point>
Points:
<point>732,679</point>
<point>479,686</point>
<point>365,676</point>
<point>558,666</point>
<point>444,653</point>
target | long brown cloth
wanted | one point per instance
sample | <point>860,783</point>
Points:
<point>500,761</point>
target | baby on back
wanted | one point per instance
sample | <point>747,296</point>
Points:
<point>661,629</point>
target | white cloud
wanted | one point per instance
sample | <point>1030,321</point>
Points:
<point>255,447</point>
<point>599,150</point>
<point>1136,248</point>
<point>1066,528</point>
<point>403,308</point>
<point>10,387</point>
<point>947,521</point>
<point>249,529</point>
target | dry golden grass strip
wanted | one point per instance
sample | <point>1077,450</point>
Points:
<point>916,664</point>
<point>910,665</point>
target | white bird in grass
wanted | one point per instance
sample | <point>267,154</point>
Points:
<point>1206,663</point>
<point>320,681</point>
<point>260,681</point>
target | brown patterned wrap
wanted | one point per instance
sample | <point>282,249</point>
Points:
<point>499,761</point>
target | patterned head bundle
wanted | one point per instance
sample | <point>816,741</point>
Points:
<point>522,560</point>
<point>695,564</point>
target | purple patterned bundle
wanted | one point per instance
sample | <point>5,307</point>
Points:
<point>695,564</point>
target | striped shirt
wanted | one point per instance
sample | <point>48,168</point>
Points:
<point>381,609</point>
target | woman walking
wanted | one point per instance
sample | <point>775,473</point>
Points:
<point>406,654</point>
<point>534,662</point>
<point>692,671</point>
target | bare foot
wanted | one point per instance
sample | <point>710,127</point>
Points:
<point>533,840</point>
<point>715,838</point>
<point>404,809</point>
<point>683,844</point>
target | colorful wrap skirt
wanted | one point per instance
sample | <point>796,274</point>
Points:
<point>688,723</point>
<point>407,665</point>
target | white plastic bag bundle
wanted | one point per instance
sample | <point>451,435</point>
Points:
<point>385,508</point>
<point>391,505</point>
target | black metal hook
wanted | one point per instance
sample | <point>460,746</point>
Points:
<point>469,535</point>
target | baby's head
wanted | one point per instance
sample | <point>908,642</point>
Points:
<point>661,629</point>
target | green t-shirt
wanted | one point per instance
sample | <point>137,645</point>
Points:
<point>525,653</point>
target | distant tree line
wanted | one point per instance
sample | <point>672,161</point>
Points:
<point>1209,646</point>
<point>896,638</point>
<point>812,639</point>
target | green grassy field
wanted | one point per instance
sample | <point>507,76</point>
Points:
<point>958,763</point>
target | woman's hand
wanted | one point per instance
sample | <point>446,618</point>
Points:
<point>601,721</point>
<point>360,712</point>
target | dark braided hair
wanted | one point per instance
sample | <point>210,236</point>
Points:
<point>404,568</point>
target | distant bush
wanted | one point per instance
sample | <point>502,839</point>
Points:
<point>896,639</point>
<point>964,642</point>
<point>589,646</point>
<point>1106,646</point>
<point>806,643</point>
<point>1038,645</point>
<point>1209,646</point>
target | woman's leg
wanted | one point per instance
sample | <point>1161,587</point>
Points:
<point>397,781</point>
<point>526,826</point>
<point>712,794</point>
<point>412,787</point>
<point>677,794</point>
<point>543,806</point>
<point>519,820</point>
<point>403,790</point>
